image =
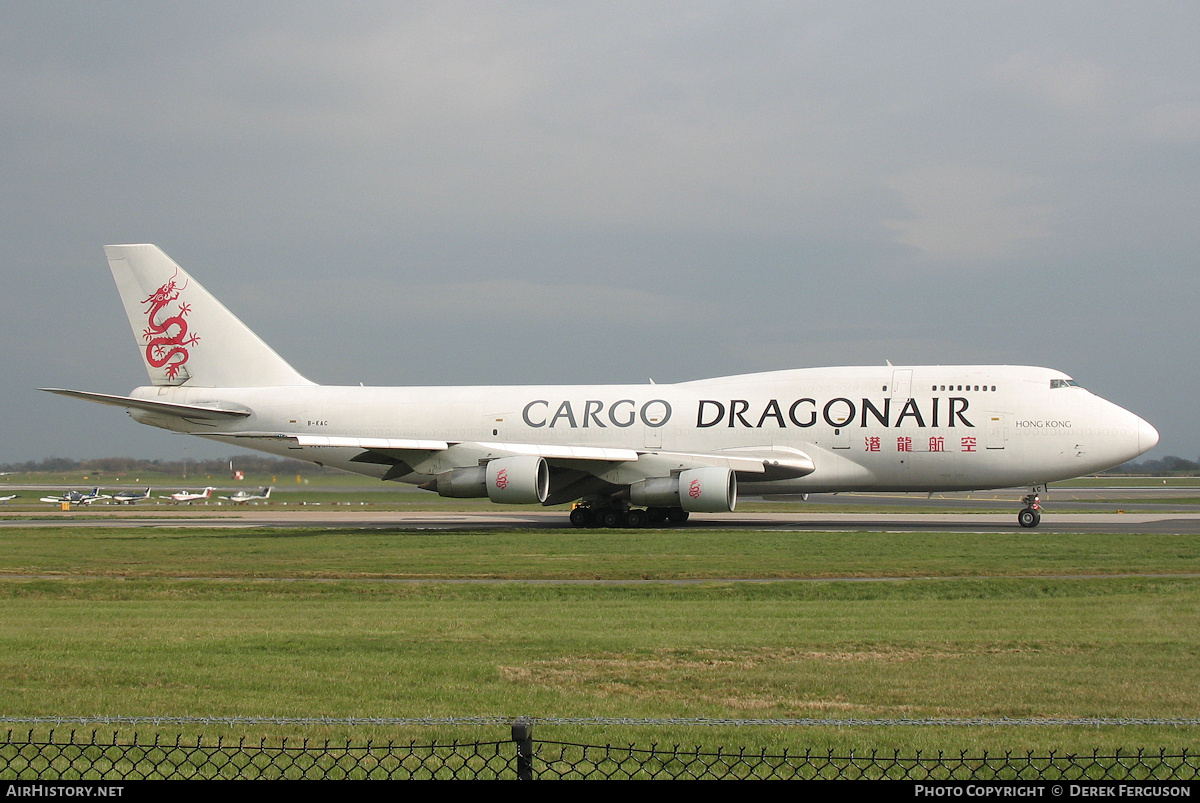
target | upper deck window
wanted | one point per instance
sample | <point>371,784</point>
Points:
<point>1062,383</point>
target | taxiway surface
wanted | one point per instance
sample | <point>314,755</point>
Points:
<point>1129,523</point>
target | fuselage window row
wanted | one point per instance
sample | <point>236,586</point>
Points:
<point>936,388</point>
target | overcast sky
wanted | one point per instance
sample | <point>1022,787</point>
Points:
<point>478,193</point>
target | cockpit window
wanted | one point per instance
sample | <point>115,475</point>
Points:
<point>1062,383</point>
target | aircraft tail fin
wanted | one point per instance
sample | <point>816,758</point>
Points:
<point>187,336</point>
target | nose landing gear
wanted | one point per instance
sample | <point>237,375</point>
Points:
<point>1031,515</point>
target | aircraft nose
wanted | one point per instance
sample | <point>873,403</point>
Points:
<point>1147,436</point>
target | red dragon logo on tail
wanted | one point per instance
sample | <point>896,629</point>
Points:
<point>167,338</point>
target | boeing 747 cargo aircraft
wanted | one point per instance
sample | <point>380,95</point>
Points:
<point>628,455</point>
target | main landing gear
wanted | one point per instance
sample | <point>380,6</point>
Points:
<point>615,515</point>
<point>1031,515</point>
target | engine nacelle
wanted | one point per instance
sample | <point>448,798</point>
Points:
<point>708,490</point>
<point>697,490</point>
<point>521,480</point>
<point>463,483</point>
<point>655,492</point>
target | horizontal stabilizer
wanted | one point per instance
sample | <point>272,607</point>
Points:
<point>205,411</point>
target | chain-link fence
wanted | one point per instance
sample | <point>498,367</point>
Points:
<point>81,755</point>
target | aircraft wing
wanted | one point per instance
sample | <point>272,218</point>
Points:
<point>616,465</point>
<point>382,445</point>
<point>471,452</point>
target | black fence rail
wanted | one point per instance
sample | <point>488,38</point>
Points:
<point>563,761</point>
<point>75,755</point>
<point>79,757</point>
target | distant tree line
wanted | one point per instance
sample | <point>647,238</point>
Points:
<point>1164,465</point>
<point>250,464</point>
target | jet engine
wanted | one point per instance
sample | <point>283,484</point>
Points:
<point>522,480</point>
<point>697,490</point>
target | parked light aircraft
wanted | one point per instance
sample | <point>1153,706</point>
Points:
<point>242,497</point>
<point>76,497</point>
<point>632,454</point>
<point>130,497</point>
<point>188,496</point>
<point>8,498</point>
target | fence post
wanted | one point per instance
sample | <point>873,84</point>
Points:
<point>522,734</point>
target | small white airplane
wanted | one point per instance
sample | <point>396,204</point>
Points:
<point>630,454</point>
<point>130,497</point>
<point>242,497</point>
<point>188,496</point>
<point>8,498</point>
<point>76,497</point>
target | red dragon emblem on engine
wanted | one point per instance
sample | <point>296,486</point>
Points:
<point>694,489</point>
<point>167,337</point>
<point>502,479</point>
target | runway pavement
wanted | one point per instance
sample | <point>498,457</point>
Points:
<point>1115,507</point>
<point>1130,523</point>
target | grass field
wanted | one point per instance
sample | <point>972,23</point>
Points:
<point>326,622</point>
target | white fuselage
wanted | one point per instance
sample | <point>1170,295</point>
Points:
<point>921,428</point>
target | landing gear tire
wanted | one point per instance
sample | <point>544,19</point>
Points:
<point>582,517</point>
<point>677,515</point>
<point>620,516</point>
<point>1031,515</point>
